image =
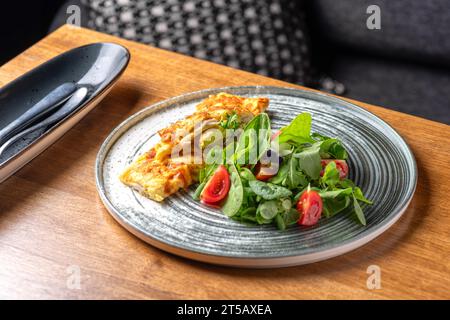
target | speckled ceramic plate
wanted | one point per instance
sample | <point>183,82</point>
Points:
<point>380,163</point>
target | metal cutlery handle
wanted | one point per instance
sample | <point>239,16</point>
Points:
<point>48,103</point>
<point>73,103</point>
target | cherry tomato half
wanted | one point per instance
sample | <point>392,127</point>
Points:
<point>268,166</point>
<point>217,187</point>
<point>264,173</point>
<point>310,208</point>
<point>341,165</point>
<point>275,135</point>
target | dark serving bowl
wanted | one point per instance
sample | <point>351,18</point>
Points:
<point>96,66</point>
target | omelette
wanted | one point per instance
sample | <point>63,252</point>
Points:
<point>156,174</point>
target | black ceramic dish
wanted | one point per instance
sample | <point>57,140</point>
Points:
<point>96,66</point>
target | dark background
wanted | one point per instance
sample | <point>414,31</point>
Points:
<point>22,23</point>
<point>405,66</point>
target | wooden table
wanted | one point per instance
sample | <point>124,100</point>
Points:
<point>53,226</point>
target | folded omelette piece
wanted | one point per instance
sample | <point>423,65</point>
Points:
<point>156,175</point>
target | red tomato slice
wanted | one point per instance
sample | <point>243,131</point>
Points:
<point>217,187</point>
<point>310,208</point>
<point>341,165</point>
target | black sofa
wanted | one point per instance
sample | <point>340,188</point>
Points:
<point>404,66</point>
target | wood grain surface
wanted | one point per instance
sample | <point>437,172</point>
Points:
<point>53,224</point>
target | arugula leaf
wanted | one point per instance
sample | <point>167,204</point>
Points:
<point>256,136</point>
<point>249,199</point>
<point>309,160</point>
<point>298,131</point>
<point>335,193</point>
<point>236,194</point>
<point>294,177</point>
<point>360,196</point>
<point>269,191</point>
<point>334,201</point>
<point>346,183</point>
<point>358,211</point>
<point>332,206</point>
<point>281,225</point>
<point>333,148</point>
<point>330,175</point>
<point>330,147</point>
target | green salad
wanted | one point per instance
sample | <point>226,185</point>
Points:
<point>292,176</point>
